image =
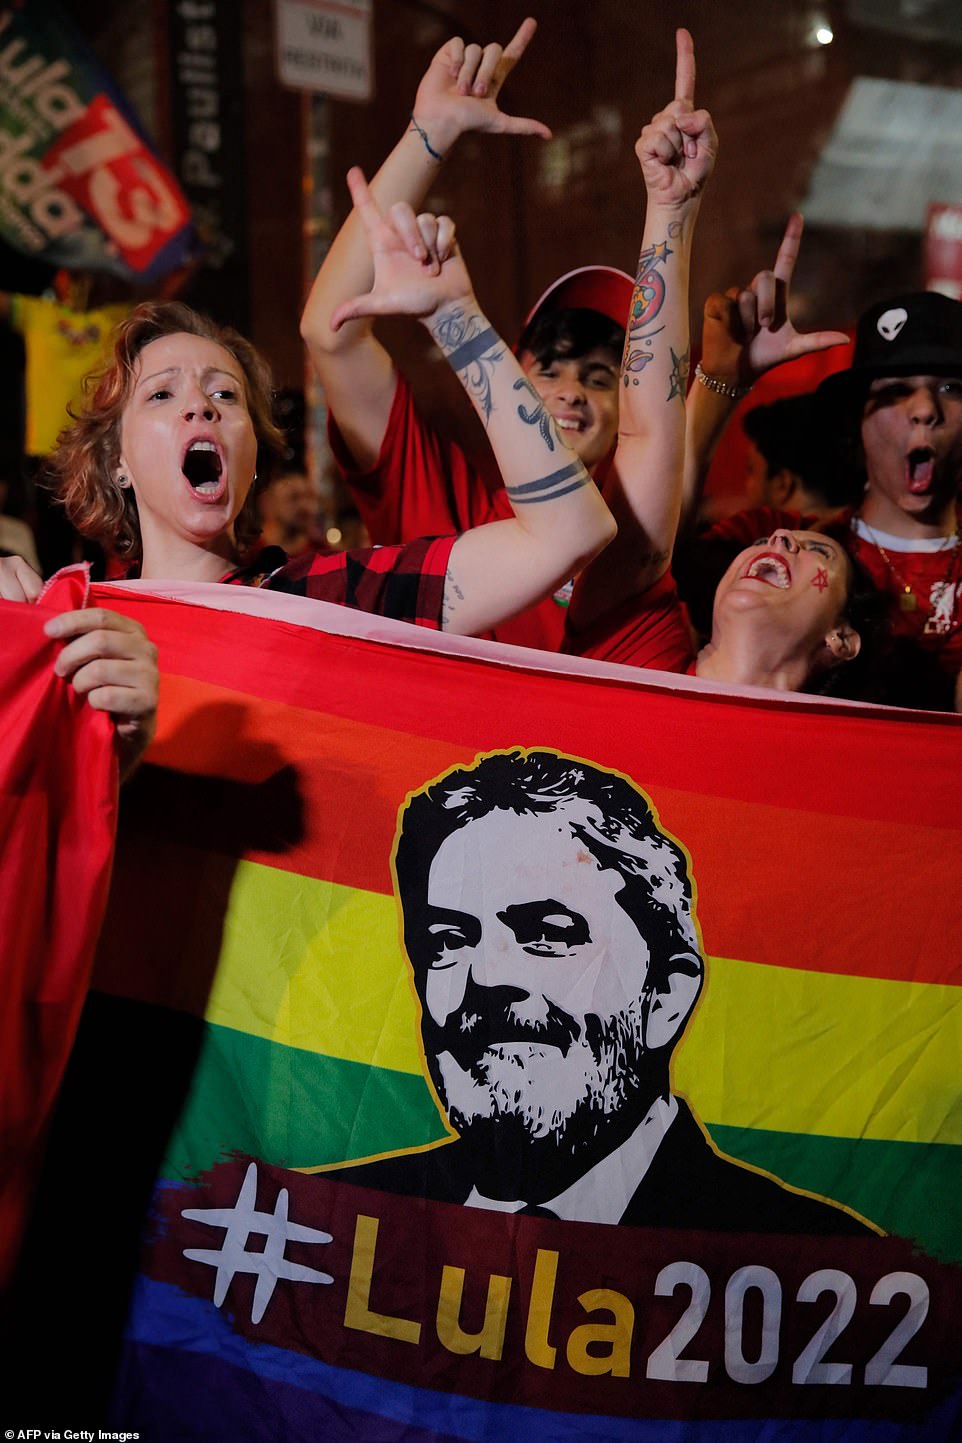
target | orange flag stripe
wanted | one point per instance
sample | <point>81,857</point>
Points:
<point>825,913</point>
<point>812,760</point>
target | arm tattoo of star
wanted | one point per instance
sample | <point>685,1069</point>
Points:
<point>678,380</point>
<point>473,350</point>
<point>537,416</point>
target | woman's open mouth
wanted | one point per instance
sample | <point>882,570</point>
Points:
<point>770,568</point>
<point>204,469</point>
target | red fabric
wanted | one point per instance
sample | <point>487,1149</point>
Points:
<point>58,798</point>
<point>424,485</point>
<point>647,630</point>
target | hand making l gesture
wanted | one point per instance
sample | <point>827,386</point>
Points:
<point>748,331</point>
<point>417,264</point>
<point>461,87</point>
<point>677,148</point>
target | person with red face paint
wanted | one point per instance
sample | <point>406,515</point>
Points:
<point>784,614</point>
<point>897,411</point>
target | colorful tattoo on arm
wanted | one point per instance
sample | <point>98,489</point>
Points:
<point>537,415</point>
<point>647,301</point>
<point>473,349</point>
<point>549,488</point>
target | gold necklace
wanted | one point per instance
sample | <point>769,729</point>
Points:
<point>908,601</point>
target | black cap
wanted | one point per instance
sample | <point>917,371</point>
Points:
<point>915,335</point>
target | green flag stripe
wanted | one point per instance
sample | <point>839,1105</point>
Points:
<point>303,1110</point>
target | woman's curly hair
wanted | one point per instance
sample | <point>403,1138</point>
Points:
<point>83,467</point>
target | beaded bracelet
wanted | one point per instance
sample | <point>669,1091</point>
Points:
<point>721,388</point>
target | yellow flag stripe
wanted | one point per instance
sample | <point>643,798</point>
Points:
<point>318,966</point>
<point>795,1051</point>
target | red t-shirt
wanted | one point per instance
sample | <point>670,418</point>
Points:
<point>424,485</point>
<point>648,629</point>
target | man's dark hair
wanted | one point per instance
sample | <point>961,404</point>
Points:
<point>789,437</point>
<point>615,823</point>
<point>566,334</point>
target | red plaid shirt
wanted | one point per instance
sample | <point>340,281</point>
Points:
<point>405,582</point>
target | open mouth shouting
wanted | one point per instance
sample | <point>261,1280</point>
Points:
<point>770,568</point>
<point>920,470</point>
<point>203,468</point>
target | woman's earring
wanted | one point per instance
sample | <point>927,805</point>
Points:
<point>123,481</point>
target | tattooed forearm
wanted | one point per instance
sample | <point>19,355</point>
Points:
<point>678,380</point>
<point>473,349</point>
<point>647,303</point>
<point>549,488</point>
<point>537,416</point>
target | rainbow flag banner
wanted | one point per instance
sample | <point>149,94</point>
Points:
<point>550,1050</point>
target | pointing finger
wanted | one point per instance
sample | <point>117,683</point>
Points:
<point>518,44</point>
<point>684,66</point>
<point>788,250</point>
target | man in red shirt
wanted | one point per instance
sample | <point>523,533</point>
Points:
<point>407,478</point>
<point>898,408</point>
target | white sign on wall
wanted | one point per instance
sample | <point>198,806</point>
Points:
<point>325,46</point>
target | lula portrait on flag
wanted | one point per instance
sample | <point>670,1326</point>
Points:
<point>549,1050</point>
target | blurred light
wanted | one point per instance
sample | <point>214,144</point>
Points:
<point>333,535</point>
<point>824,35</point>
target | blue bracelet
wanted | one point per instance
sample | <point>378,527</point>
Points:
<point>434,154</point>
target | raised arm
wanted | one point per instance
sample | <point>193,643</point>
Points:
<point>745,333</point>
<point>459,93</point>
<point>677,153</point>
<point>560,519</point>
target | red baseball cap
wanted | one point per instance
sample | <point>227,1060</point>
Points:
<point>590,288</point>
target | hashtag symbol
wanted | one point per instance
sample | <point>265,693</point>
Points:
<point>269,1266</point>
